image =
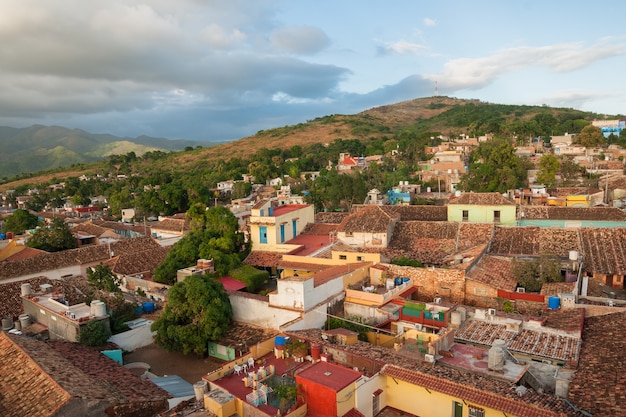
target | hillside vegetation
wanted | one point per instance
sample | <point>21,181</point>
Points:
<point>289,150</point>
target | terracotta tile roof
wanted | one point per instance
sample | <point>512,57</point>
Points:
<point>599,385</point>
<point>263,258</point>
<point>88,229</point>
<point>25,254</point>
<point>516,406</point>
<point>73,373</point>
<point>573,213</point>
<point>483,199</point>
<point>556,288</point>
<point>604,250</point>
<point>139,262</point>
<point>568,319</point>
<point>418,213</point>
<point>26,389</point>
<point>172,225</point>
<point>354,413</point>
<point>73,288</point>
<point>531,403</point>
<point>427,242</point>
<point>495,272</point>
<point>540,344</point>
<point>371,219</point>
<point>532,240</point>
<point>240,334</point>
<point>80,256</point>
<point>330,217</point>
<point>474,234</point>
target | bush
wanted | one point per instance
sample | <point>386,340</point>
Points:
<point>94,333</point>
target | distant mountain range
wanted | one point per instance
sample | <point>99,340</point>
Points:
<point>38,148</point>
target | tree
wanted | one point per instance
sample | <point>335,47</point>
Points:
<point>215,236</point>
<point>532,274</point>
<point>20,221</point>
<point>549,165</point>
<point>102,278</point>
<point>94,333</point>
<point>198,311</point>
<point>591,136</point>
<point>55,238</point>
<point>494,167</point>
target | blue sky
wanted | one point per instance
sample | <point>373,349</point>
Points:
<point>222,70</point>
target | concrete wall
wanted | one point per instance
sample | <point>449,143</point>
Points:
<point>481,214</point>
<point>258,312</point>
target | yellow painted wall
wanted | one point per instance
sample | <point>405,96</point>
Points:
<point>345,400</point>
<point>416,400</point>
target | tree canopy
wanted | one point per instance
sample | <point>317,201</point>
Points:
<point>101,277</point>
<point>54,238</point>
<point>494,167</point>
<point>198,311</point>
<point>591,136</point>
<point>20,221</point>
<point>215,236</point>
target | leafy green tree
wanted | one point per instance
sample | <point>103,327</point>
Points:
<point>549,165</point>
<point>570,170</point>
<point>591,136</point>
<point>101,277</point>
<point>494,167</point>
<point>215,236</point>
<point>532,274</point>
<point>20,221</point>
<point>252,277</point>
<point>94,333</point>
<point>198,311</point>
<point>241,190</point>
<point>54,238</point>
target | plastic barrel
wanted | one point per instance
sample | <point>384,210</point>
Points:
<point>148,307</point>
<point>279,340</point>
<point>554,303</point>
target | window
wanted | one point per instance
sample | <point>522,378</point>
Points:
<point>263,234</point>
<point>496,216</point>
<point>359,258</point>
<point>465,215</point>
<point>343,257</point>
<point>475,412</point>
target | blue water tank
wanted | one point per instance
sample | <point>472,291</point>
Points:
<point>279,340</point>
<point>148,307</point>
<point>2,236</point>
<point>397,281</point>
<point>554,303</point>
<point>139,309</point>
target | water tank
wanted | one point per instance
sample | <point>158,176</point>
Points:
<point>455,319</point>
<point>25,289</point>
<point>2,236</point>
<point>9,235</point>
<point>463,312</point>
<point>7,323</point>
<point>554,303</point>
<point>17,325</point>
<point>573,255</point>
<point>199,389</point>
<point>148,307</point>
<point>139,309</point>
<point>98,308</point>
<point>24,320</point>
<point>279,341</point>
<point>496,355</point>
<point>397,281</point>
<point>316,350</point>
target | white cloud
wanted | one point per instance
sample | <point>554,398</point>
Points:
<point>401,47</point>
<point>429,22</point>
<point>474,73</point>
<point>218,37</point>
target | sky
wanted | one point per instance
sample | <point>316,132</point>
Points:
<point>219,70</point>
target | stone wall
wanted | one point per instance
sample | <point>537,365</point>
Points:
<point>434,282</point>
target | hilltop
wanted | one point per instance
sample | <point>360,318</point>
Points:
<point>434,115</point>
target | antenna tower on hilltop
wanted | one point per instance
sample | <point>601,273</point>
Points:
<point>436,89</point>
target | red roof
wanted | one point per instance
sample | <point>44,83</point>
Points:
<point>329,375</point>
<point>231,284</point>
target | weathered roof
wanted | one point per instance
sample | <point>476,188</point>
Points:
<point>573,213</point>
<point>370,219</point>
<point>495,272</point>
<point>532,240</point>
<point>482,199</point>
<point>599,385</point>
<point>139,262</point>
<point>604,250</point>
<point>51,375</point>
